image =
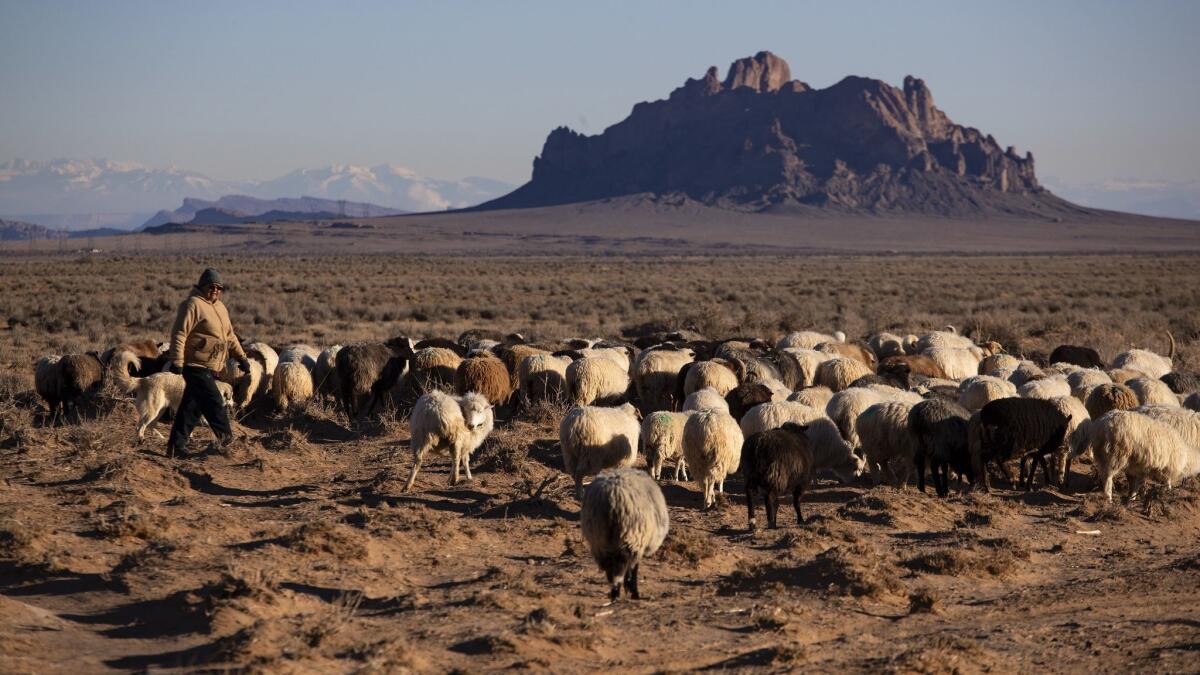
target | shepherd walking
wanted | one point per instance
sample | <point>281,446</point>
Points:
<point>201,341</point>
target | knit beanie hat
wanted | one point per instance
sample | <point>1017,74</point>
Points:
<point>209,277</point>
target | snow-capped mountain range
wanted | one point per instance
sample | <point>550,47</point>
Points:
<point>76,193</point>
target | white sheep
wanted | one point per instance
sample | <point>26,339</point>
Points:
<point>247,386</point>
<point>957,362</point>
<point>265,354</point>
<point>624,519</point>
<point>1077,434</point>
<point>716,374</point>
<point>662,439</point>
<point>886,441</point>
<point>799,366</point>
<point>1152,392</point>
<point>1045,388</point>
<point>1083,380</point>
<point>455,425</point>
<point>779,390</point>
<point>947,338</point>
<point>995,362</point>
<point>153,395</point>
<point>830,451</point>
<point>817,396</point>
<point>656,377</point>
<point>845,407</point>
<point>1145,361</point>
<point>1185,422</point>
<point>1025,372</point>
<point>886,344</point>
<point>979,390</point>
<point>593,439</point>
<point>1141,447</point>
<point>305,355</point>
<point>807,339</point>
<point>705,399</point>
<point>839,372</point>
<point>325,375</point>
<point>712,448</point>
<point>291,385</point>
<point>597,379</point>
<point>618,355</point>
<point>542,376</point>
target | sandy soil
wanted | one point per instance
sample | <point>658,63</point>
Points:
<point>297,552</point>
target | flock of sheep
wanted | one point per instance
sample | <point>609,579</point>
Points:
<point>780,412</point>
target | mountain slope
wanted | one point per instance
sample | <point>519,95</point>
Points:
<point>759,140</point>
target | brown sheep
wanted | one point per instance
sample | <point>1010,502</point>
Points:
<point>434,368</point>
<point>484,375</point>
<point>1107,397</point>
<point>850,350</point>
<point>512,356</point>
<point>78,375</point>
<point>904,367</point>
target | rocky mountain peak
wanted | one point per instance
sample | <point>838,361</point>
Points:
<point>760,140</point>
<point>764,72</point>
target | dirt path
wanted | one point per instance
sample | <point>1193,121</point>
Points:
<point>290,554</point>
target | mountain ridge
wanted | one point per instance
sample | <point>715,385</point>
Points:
<point>760,140</point>
<point>87,192</point>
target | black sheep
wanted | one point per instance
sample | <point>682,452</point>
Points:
<point>1182,382</point>
<point>777,461</point>
<point>885,379</point>
<point>359,367</point>
<point>744,397</point>
<point>940,429</point>
<point>1084,357</point>
<point>1024,428</point>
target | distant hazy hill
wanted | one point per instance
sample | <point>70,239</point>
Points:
<point>759,140</point>
<point>79,193</point>
<point>240,206</point>
<point>11,230</point>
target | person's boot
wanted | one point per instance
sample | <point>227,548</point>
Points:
<point>220,445</point>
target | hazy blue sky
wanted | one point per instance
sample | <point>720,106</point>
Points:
<point>249,90</point>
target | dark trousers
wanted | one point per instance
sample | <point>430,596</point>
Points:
<point>200,397</point>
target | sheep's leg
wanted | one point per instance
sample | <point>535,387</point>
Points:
<point>418,455</point>
<point>467,465</point>
<point>631,585</point>
<point>942,477</point>
<point>721,486</point>
<point>614,592</point>
<point>454,471</point>
<point>750,507</point>
<point>1046,470</point>
<point>772,507</point>
<point>1066,474</point>
<point>796,504</point>
<point>579,486</point>
<point>1108,486</point>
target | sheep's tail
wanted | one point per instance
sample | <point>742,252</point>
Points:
<point>1171,339</point>
<point>119,371</point>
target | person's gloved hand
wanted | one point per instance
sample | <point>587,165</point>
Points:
<point>244,364</point>
<point>177,369</point>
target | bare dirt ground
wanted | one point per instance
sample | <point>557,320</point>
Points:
<point>296,551</point>
<point>643,225</point>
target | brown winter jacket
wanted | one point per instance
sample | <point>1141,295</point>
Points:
<point>203,335</point>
